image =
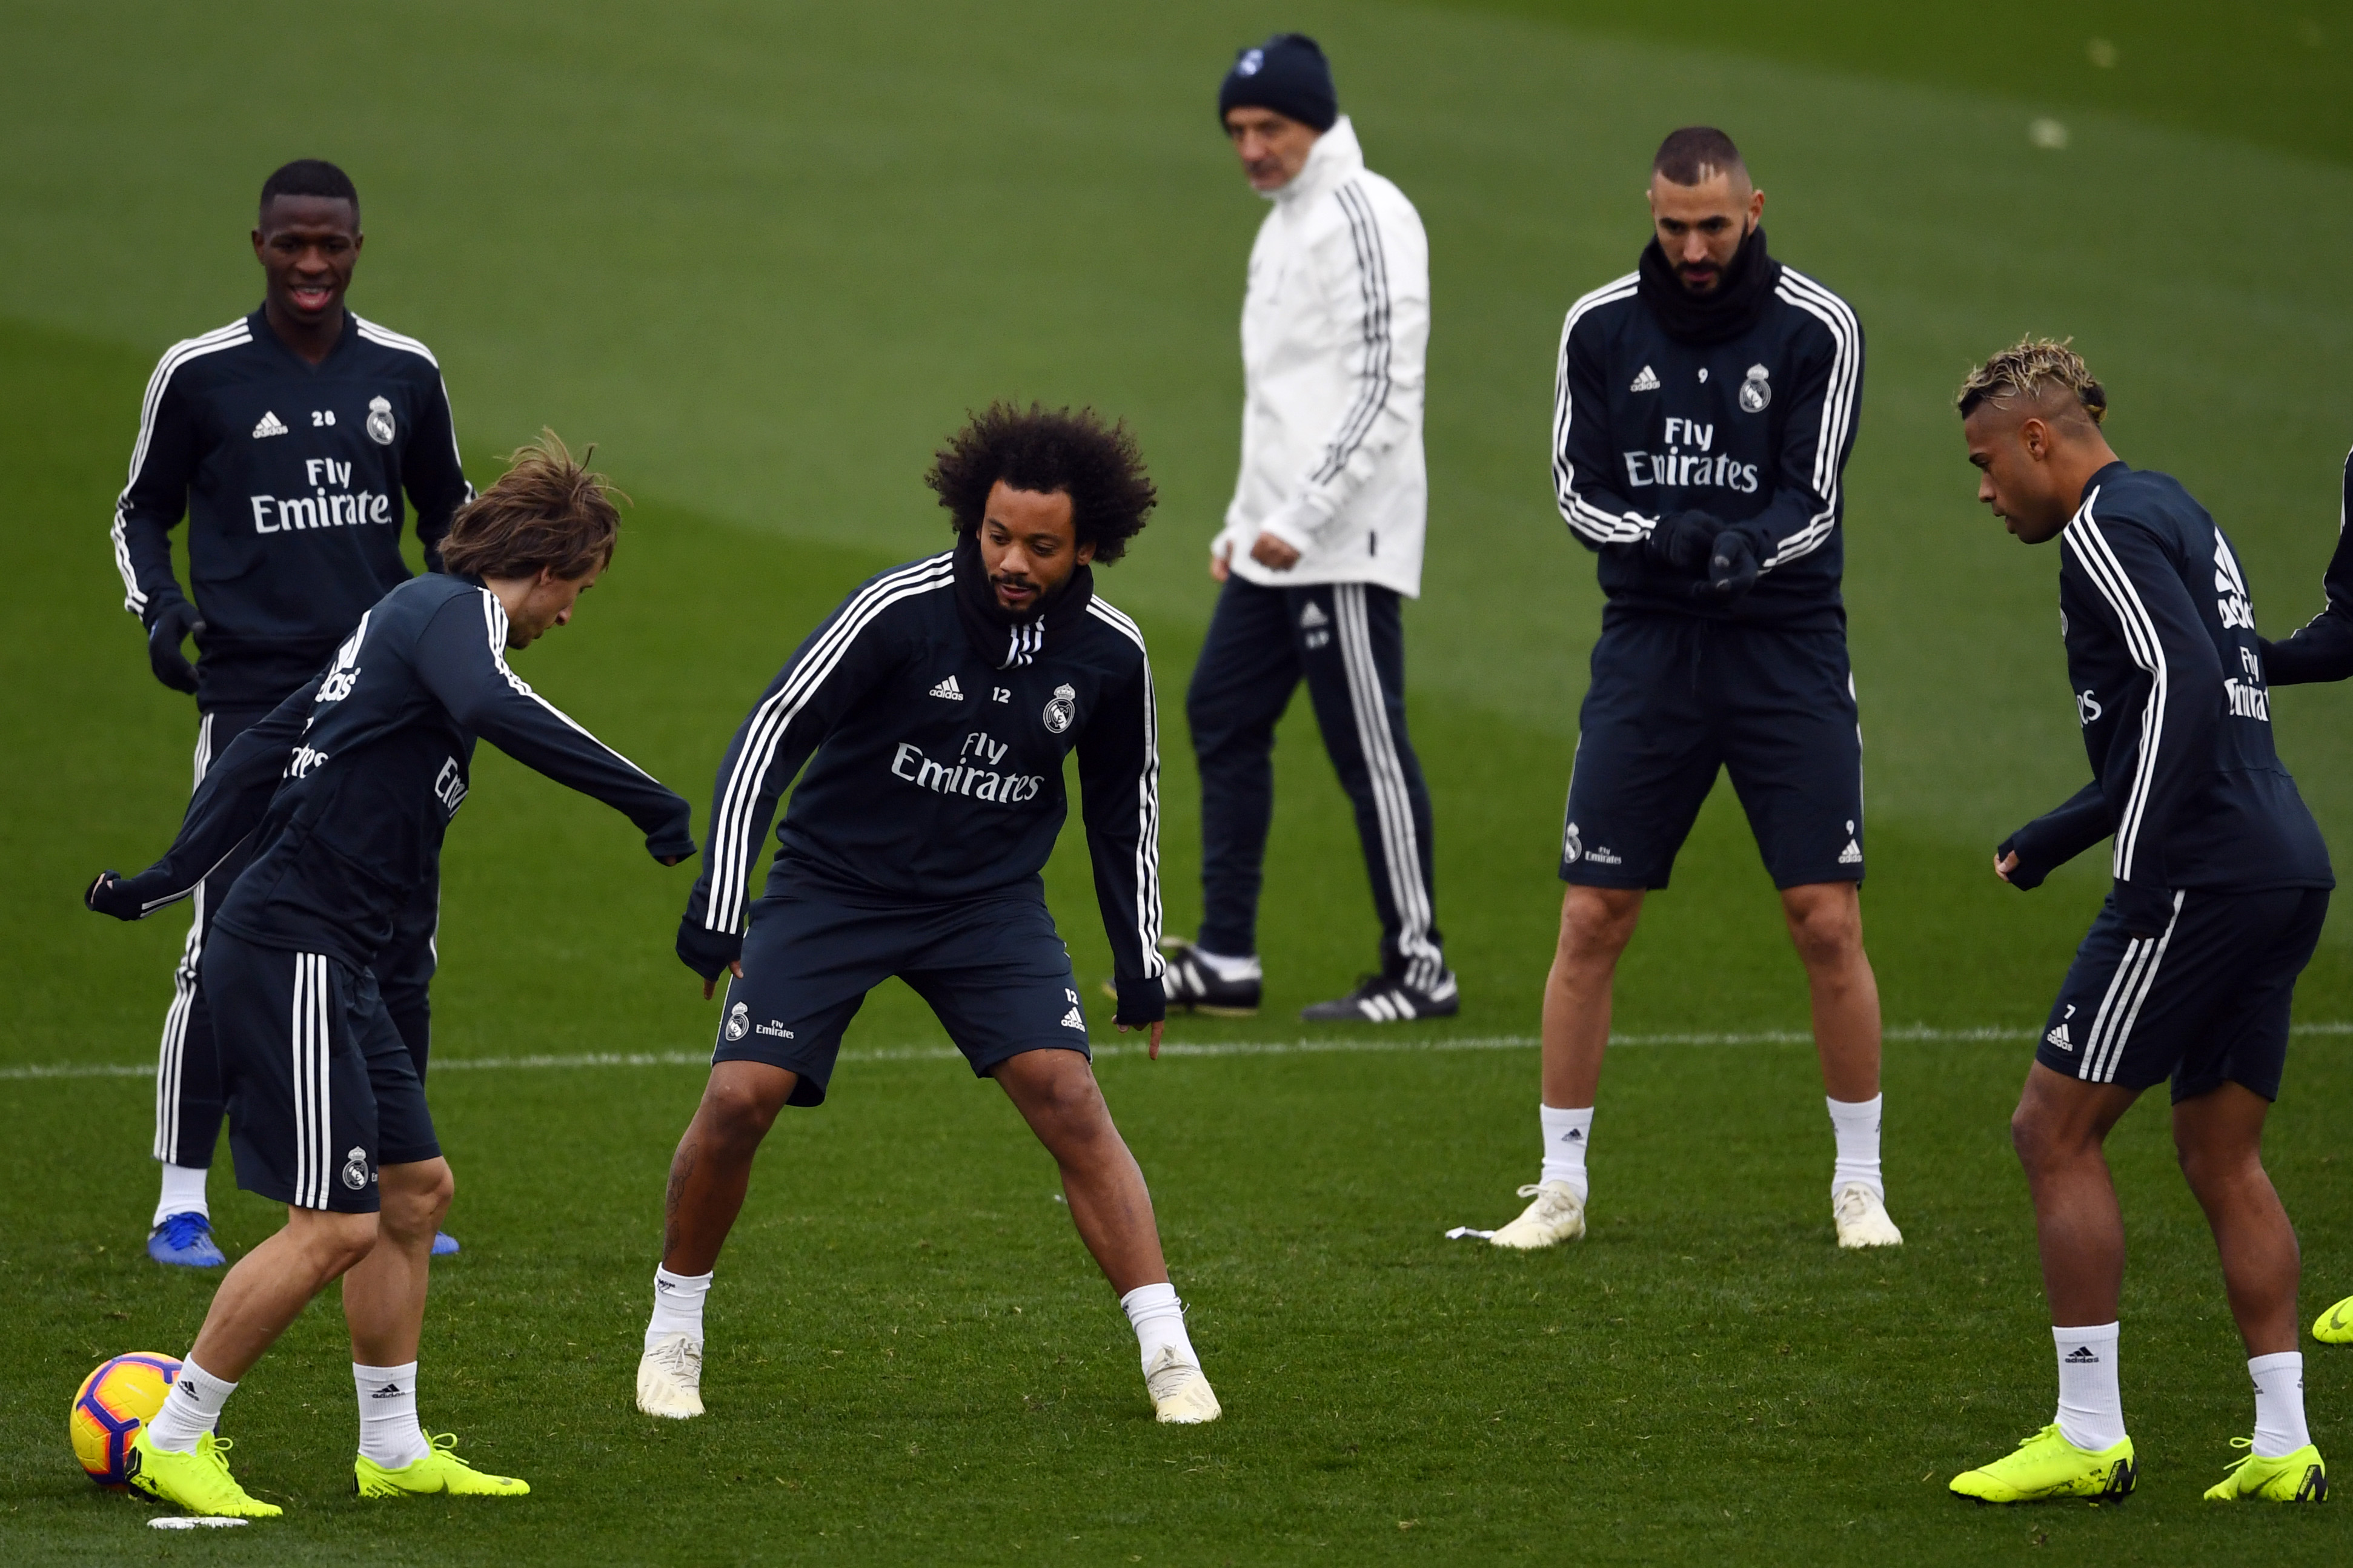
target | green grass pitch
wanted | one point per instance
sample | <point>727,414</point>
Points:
<point>766,257</point>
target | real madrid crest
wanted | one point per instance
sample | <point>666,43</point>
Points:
<point>1572,848</point>
<point>356,1171</point>
<point>1061,709</point>
<point>739,1022</point>
<point>379,421</point>
<point>1756,391</point>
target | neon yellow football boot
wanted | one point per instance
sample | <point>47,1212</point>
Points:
<point>2299,1476</point>
<point>440,1471</point>
<point>2047,1467</point>
<point>199,1482</point>
<point>2335,1327</point>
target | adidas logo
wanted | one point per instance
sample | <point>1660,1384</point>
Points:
<point>1646,382</point>
<point>949,690</point>
<point>269,426</point>
<point>389,1391</point>
<point>1313,616</point>
<point>2058,1037</point>
<point>1851,855</point>
<point>2082,1355</point>
<point>1071,1020</point>
<point>1572,1136</point>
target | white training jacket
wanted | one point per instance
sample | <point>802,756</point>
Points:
<point>1335,330</point>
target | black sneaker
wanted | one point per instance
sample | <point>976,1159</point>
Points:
<point>1195,987</point>
<point>1381,1000</point>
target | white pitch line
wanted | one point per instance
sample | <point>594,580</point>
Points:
<point>1394,1045</point>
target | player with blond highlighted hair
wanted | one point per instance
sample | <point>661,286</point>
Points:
<point>2189,970</point>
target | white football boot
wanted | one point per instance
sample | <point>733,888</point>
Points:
<point>1556,1216</point>
<point>1862,1218</point>
<point>1181,1395</point>
<point>670,1378</point>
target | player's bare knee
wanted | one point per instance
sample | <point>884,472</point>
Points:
<point>1596,923</point>
<point>735,1115</point>
<point>1827,932</point>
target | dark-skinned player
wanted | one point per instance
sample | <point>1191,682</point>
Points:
<point>288,439</point>
<point>935,710</point>
<point>2188,972</point>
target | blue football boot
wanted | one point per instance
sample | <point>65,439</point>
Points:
<point>444,1244</point>
<point>184,1241</point>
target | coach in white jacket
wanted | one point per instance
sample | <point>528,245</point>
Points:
<point>1322,542</point>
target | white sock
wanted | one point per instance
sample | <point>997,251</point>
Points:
<point>389,1434</point>
<point>2279,1405</point>
<point>1567,1134</point>
<point>1226,968</point>
<point>183,1193</point>
<point>191,1409</point>
<point>1159,1320</point>
<point>2091,1407</point>
<point>677,1306</point>
<point>1856,1124</point>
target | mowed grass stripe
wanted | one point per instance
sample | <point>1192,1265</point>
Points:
<point>1924,1034</point>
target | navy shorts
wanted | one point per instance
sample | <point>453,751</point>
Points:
<point>1675,698</point>
<point>994,970</point>
<point>2205,1002</point>
<point>321,1088</point>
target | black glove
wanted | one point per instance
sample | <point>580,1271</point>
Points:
<point>2145,908</point>
<point>1142,1003</point>
<point>706,952</point>
<point>1679,543</point>
<point>1732,569</point>
<point>172,622</point>
<point>111,895</point>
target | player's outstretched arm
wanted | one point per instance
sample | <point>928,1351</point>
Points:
<point>856,648</point>
<point>2322,649</point>
<point>227,807</point>
<point>2057,837</point>
<point>461,659</point>
<point>2152,766</point>
<point>1582,460</point>
<point>1119,787</point>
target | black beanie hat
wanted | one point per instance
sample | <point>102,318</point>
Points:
<point>1288,74</point>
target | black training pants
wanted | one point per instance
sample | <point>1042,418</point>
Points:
<point>1347,640</point>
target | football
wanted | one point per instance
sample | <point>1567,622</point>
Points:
<point>111,1404</point>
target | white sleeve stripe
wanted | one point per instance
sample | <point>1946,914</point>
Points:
<point>1582,515</point>
<point>1147,802</point>
<point>237,332</point>
<point>2108,575</point>
<point>494,624</point>
<point>1838,408</point>
<point>1372,288</point>
<point>387,338</point>
<point>731,849</point>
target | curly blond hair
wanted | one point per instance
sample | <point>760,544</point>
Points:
<point>548,509</point>
<point>2030,368</point>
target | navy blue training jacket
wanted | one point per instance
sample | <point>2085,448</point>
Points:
<point>934,774</point>
<point>2169,688</point>
<point>2322,648</point>
<point>1754,430</point>
<point>350,782</point>
<point>291,477</point>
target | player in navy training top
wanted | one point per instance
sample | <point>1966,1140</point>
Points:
<point>2322,649</point>
<point>1702,416</point>
<point>934,712</point>
<point>2221,885</point>
<point>327,1112</point>
<point>288,438</point>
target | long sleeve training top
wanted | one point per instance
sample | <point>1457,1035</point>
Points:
<point>2161,653</point>
<point>351,782</point>
<point>934,768</point>
<point>2322,648</point>
<point>290,476</point>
